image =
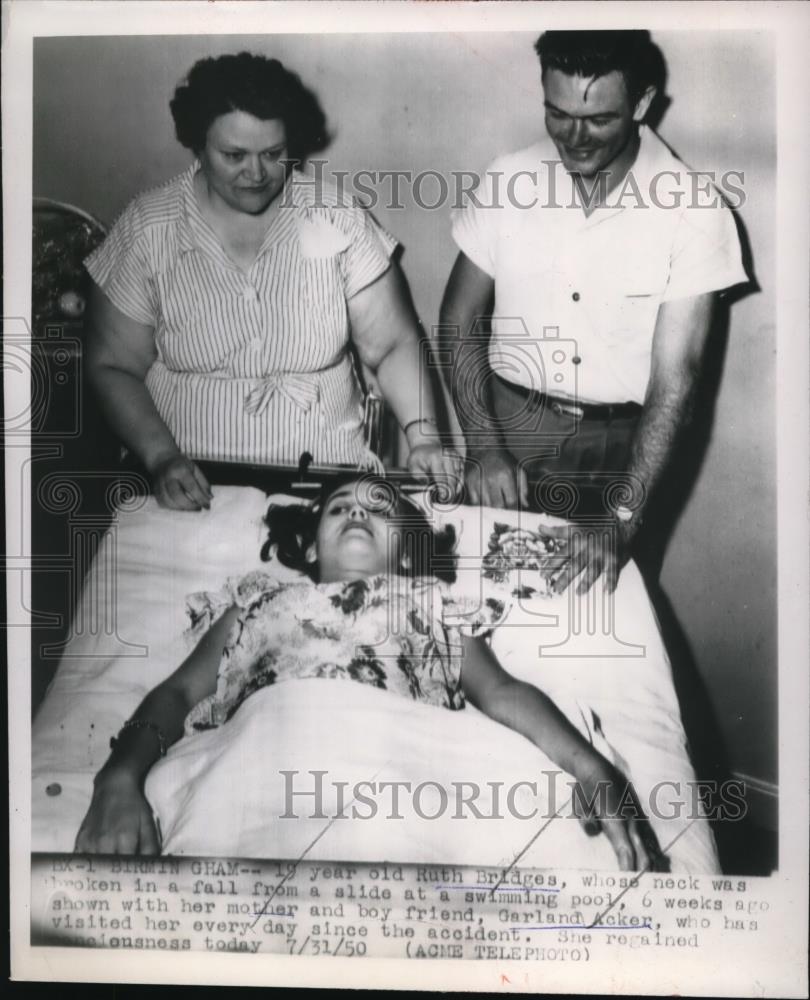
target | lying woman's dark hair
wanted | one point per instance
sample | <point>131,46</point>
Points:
<point>294,528</point>
<point>259,86</point>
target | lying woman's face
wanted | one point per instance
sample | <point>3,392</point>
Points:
<point>356,537</point>
<point>243,160</point>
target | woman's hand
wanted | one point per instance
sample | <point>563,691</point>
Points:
<point>604,800</point>
<point>119,820</point>
<point>120,354</point>
<point>178,484</point>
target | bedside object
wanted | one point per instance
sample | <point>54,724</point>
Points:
<point>74,458</point>
<point>63,235</point>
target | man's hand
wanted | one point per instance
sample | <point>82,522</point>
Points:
<point>595,552</point>
<point>119,820</point>
<point>494,478</point>
<point>438,465</point>
<point>178,484</point>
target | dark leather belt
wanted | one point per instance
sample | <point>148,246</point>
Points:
<point>575,408</point>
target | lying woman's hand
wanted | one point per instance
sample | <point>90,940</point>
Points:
<point>604,800</point>
<point>119,820</point>
<point>438,464</point>
<point>178,484</point>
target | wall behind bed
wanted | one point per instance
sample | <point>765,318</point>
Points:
<point>452,102</point>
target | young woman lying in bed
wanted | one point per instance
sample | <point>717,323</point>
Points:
<point>369,608</point>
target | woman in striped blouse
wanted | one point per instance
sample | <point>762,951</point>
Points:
<point>226,300</point>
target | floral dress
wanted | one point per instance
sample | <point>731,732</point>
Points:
<point>396,633</point>
<point>382,631</point>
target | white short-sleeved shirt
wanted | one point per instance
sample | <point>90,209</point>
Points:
<point>576,297</point>
<point>251,366</point>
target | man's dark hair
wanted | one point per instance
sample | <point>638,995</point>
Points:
<point>596,53</point>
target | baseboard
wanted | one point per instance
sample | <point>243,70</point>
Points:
<point>762,799</point>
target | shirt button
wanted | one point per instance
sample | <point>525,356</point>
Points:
<point>250,294</point>
<point>576,359</point>
<point>53,789</point>
<point>575,296</point>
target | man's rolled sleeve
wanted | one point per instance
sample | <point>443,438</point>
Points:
<point>474,229</point>
<point>706,254</point>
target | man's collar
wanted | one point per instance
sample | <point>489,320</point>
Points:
<point>640,173</point>
<point>634,187</point>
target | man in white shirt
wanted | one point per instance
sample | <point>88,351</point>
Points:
<point>603,254</point>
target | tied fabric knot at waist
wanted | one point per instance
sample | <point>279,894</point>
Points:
<point>302,390</point>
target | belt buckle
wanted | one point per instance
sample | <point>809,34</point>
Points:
<point>570,411</point>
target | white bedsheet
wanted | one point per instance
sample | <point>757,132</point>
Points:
<point>221,792</point>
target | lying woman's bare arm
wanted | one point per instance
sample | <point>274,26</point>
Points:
<point>119,820</point>
<point>120,352</point>
<point>531,713</point>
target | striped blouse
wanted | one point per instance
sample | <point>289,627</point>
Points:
<point>251,366</point>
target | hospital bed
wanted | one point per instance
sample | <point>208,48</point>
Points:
<point>234,791</point>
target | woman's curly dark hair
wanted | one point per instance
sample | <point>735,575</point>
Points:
<point>259,86</point>
<point>294,528</point>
